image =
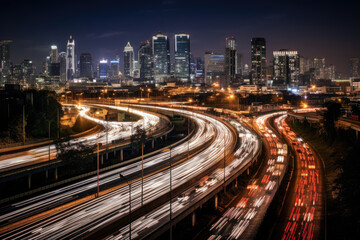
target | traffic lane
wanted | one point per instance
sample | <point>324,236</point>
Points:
<point>110,203</point>
<point>304,219</point>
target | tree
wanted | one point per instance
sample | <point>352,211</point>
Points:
<point>137,138</point>
<point>75,155</point>
<point>331,115</point>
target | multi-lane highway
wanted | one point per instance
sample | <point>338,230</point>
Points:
<point>96,212</point>
<point>303,213</point>
<point>148,223</point>
<point>112,131</point>
<point>242,220</point>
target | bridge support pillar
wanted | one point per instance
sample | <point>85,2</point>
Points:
<point>216,202</point>
<point>107,155</point>
<point>236,182</point>
<point>46,174</point>
<point>357,135</point>
<point>247,171</point>
<point>165,137</point>
<point>121,154</point>
<point>153,143</point>
<point>29,181</point>
<point>193,219</point>
<point>56,174</point>
<point>102,159</point>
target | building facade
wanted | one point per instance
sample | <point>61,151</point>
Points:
<point>145,59</point>
<point>214,68</point>
<point>182,56</point>
<point>103,68</point>
<point>161,57</point>
<point>230,60</point>
<point>86,67</point>
<point>286,68</point>
<point>128,61</point>
<point>354,68</point>
<point>258,61</point>
<point>70,59</point>
<point>4,61</point>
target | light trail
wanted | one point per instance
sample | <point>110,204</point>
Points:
<point>96,212</point>
<point>255,200</point>
<point>153,220</point>
<point>112,131</point>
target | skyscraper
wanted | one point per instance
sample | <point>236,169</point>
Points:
<point>128,60</point>
<point>62,61</point>
<point>230,60</point>
<point>258,61</point>
<point>286,68</point>
<point>86,68</point>
<point>214,68</point>
<point>354,67</point>
<point>145,59</point>
<point>182,56</point>
<point>239,64</point>
<point>4,61</point>
<point>54,55</point>
<point>319,66</point>
<point>161,57</point>
<point>115,68</point>
<point>103,68</point>
<point>70,59</point>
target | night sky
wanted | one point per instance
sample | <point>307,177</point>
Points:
<point>104,27</point>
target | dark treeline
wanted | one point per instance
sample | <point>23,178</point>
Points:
<point>40,107</point>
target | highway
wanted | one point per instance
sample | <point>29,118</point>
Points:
<point>147,224</point>
<point>112,131</point>
<point>94,213</point>
<point>303,212</point>
<point>242,220</point>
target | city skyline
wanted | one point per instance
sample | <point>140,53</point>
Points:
<point>106,34</point>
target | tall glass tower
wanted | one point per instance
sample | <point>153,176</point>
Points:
<point>182,56</point>
<point>258,61</point>
<point>145,59</point>
<point>70,59</point>
<point>128,60</point>
<point>4,61</point>
<point>86,69</point>
<point>230,60</point>
<point>161,57</point>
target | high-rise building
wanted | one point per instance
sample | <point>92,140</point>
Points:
<point>354,67</point>
<point>136,69</point>
<point>230,60</point>
<point>28,71</point>
<point>161,57</point>
<point>47,66</point>
<point>145,59</point>
<point>128,60</point>
<point>115,68</point>
<point>304,65</point>
<point>103,68</point>
<point>86,67</point>
<point>239,64</point>
<point>258,61</point>
<point>54,55</point>
<point>182,56</point>
<point>330,72</point>
<point>4,61</point>
<point>62,61</point>
<point>214,68</point>
<point>319,67</point>
<point>70,59</point>
<point>286,68</point>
